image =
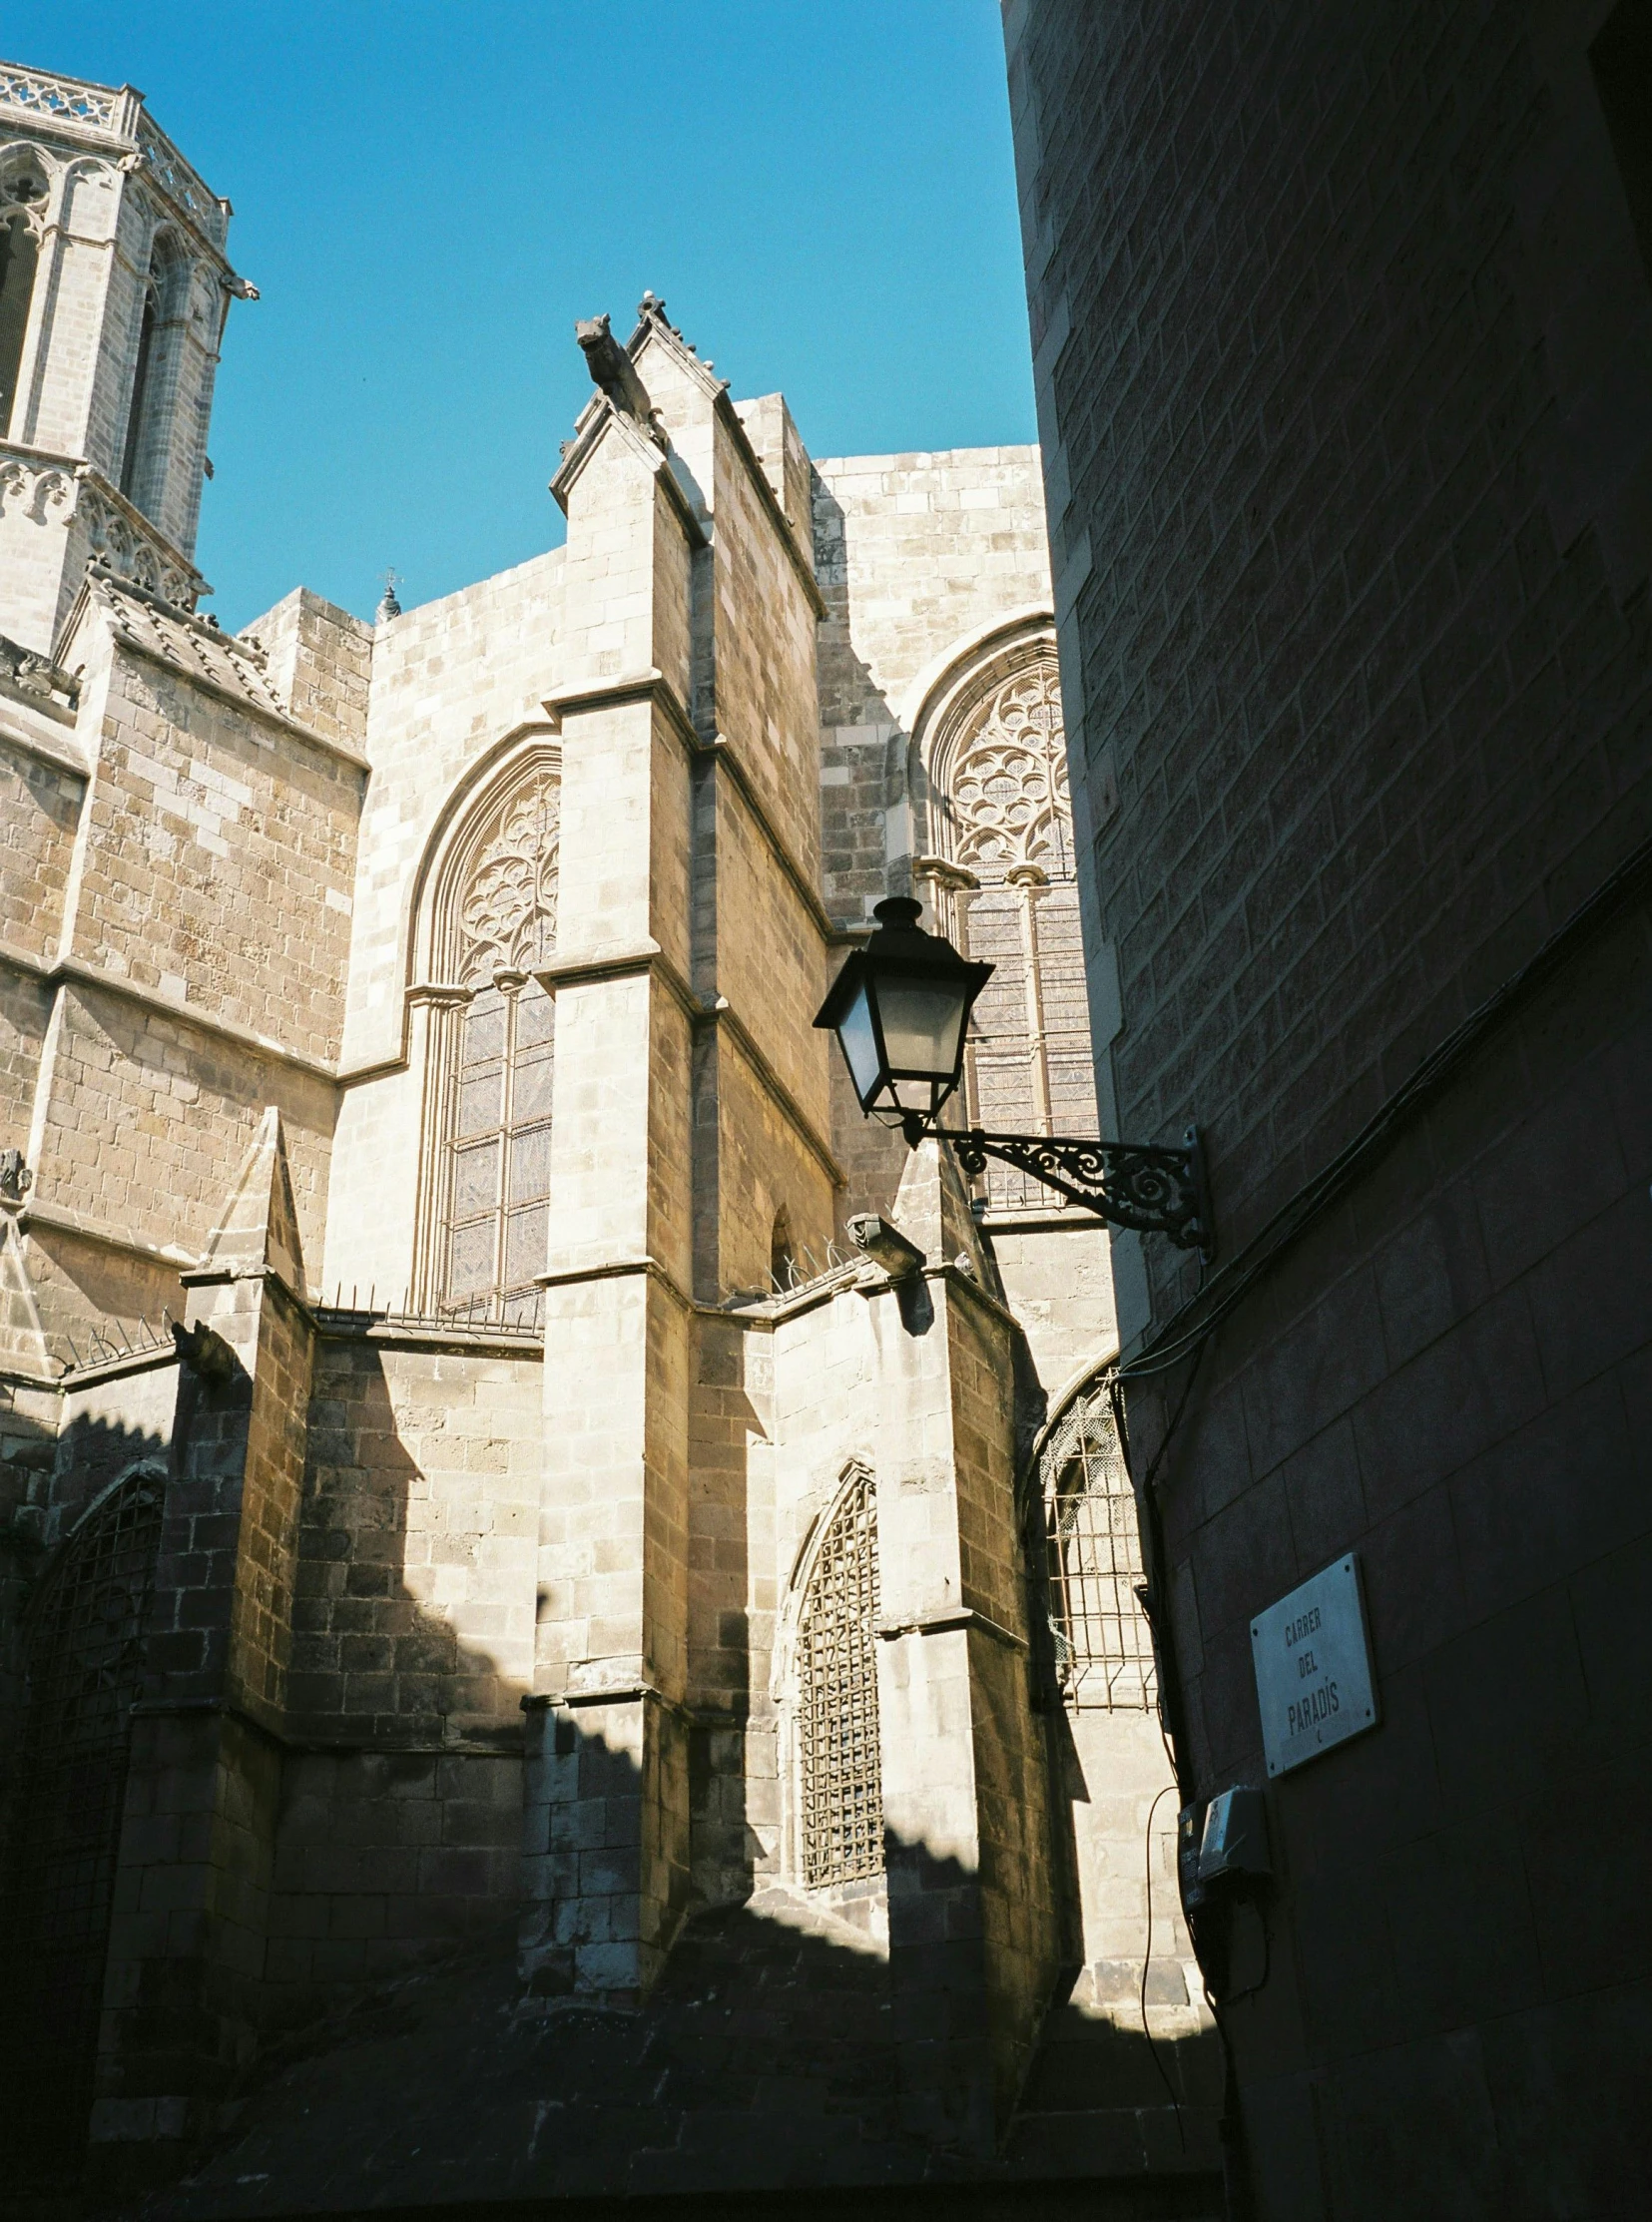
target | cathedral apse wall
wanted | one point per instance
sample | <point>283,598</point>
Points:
<point>550,1548</point>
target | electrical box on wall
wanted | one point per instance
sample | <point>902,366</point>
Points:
<point>1235,1842</point>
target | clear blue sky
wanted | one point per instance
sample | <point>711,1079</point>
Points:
<point>429,193</point>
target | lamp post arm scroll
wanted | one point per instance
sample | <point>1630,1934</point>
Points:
<point>900,1010</point>
<point>1145,1186</point>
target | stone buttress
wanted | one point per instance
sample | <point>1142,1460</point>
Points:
<point>183,1993</point>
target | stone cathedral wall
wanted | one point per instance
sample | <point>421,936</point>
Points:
<point>426,1527</point>
<point>914,553</point>
<point>401,1815</point>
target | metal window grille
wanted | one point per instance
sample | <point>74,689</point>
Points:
<point>1103,1644</point>
<point>842,1782</point>
<point>84,1656</point>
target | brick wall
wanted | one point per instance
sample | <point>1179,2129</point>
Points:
<point>212,850</point>
<point>320,663</point>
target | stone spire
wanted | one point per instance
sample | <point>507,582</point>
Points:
<point>258,1232</point>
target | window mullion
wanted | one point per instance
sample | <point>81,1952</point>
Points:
<point>507,1101</point>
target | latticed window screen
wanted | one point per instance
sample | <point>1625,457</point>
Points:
<point>840,1784</point>
<point>84,1656</point>
<point>1103,1644</point>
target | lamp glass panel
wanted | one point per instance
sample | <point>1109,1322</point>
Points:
<point>860,1039</point>
<point>922,1026</point>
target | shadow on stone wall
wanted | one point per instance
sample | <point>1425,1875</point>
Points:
<point>64,1736</point>
<point>775,2051</point>
<point>860,779</point>
<point>398,1836</point>
<point>404,2058</point>
<point>47,1481</point>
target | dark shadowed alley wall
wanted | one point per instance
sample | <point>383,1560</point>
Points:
<point>1343,335</point>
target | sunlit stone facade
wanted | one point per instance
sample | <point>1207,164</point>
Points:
<point>548,1558</point>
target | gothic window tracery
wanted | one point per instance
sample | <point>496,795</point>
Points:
<point>507,910</point>
<point>1009,803</point>
<point>1008,893</point>
<point>492,1059</point>
<point>841,1793</point>
<point>1102,1641</point>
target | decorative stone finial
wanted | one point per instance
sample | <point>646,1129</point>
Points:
<point>651,305</point>
<point>388,606</point>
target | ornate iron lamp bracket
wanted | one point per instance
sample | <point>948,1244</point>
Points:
<point>1154,1190</point>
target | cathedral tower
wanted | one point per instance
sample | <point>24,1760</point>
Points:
<point>114,291</point>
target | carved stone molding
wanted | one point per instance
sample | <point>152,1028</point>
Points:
<point>33,488</point>
<point>1008,784</point>
<point>120,539</point>
<point>36,675</point>
<point>59,98</point>
<point>507,906</point>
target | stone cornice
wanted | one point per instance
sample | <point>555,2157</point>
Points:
<point>456,1339</point>
<point>615,694</point>
<point>249,707</point>
<point>619,1269</point>
<point>17,736</point>
<point>63,1219</point>
<point>226,694</point>
<point>58,971</point>
<point>943,1623</point>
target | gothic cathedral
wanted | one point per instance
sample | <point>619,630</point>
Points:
<point>533,1662</point>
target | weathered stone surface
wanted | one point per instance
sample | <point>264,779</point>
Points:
<point>568,1535</point>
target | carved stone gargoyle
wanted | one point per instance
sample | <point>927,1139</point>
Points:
<point>614,371</point>
<point>900,1257</point>
<point>204,1352</point>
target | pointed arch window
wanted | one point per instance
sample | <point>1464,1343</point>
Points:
<point>1004,883</point>
<point>840,1789</point>
<point>137,416</point>
<point>22,197</point>
<point>1103,1643</point>
<point>491,1060</point>
<point>146,451</point>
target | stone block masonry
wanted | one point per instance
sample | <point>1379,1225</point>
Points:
<point>1356,655</point>
<point>518,1630</point>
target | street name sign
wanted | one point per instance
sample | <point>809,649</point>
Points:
<point>1313,1668</point>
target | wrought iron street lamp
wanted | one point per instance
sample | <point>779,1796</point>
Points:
<point>900,1010</point>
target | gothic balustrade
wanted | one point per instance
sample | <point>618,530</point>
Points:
<point>70,103</point>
